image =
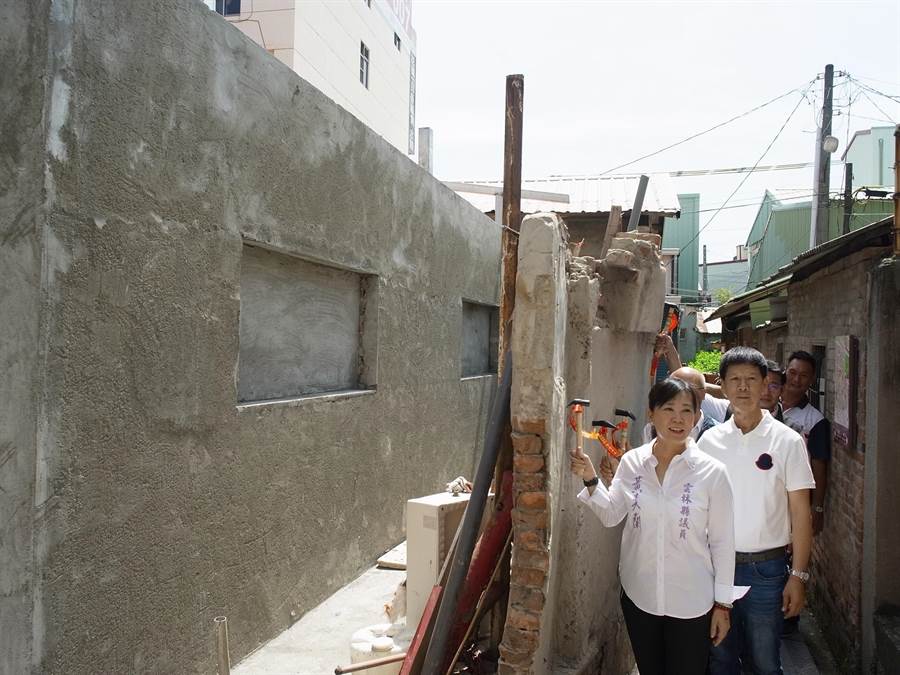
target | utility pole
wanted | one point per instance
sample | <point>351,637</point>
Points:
<point>897,191</point>
<point>818,227</point>
<point>848,196</point>
<point>705,277</point>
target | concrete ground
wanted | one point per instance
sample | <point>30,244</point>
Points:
<point>320,640</point>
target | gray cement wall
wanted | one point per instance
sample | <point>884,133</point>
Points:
<point>881,537</point>
<point>145,143</point>
<point>23,41</point>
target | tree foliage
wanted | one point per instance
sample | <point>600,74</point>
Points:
<point>706,362</point>
<point>722,295</point>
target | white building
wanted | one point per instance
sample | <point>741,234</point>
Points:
<point>871,151</point>
<point>360,53</point>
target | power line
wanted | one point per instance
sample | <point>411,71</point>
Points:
<point>869,99</point>
<point>749,173</point>
<point>895,99</point>
<point>701,133</point>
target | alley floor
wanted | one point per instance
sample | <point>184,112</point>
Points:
<point>320,640</point>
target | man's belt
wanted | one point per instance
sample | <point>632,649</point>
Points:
<point>760,556</point>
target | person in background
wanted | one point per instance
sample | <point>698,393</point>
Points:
<point>694,379</point>
<point>677,556</point>
<point>771,478</point>
<point>712,408</point>
<point>801,416</point>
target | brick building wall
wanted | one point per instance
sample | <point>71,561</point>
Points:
<point>833,302</point>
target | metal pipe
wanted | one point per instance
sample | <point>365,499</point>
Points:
<point>374,663</point>
<point>638,204</point>
<point>221,623</point>
<point>443,624</point>
<point>848,197</point>
<point>897,190</point>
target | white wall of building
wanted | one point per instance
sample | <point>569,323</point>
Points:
<point>320,40</point>
<point>872,155</point>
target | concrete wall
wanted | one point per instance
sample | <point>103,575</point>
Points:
<point>571,315</point>
<point>23,41</point>
<point>881,541</point>
<point>139,501</point>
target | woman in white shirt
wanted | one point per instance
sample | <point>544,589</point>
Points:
<point>677,557</point>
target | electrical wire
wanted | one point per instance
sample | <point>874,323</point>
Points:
<point>749,173</point>
<point>877,107</point>
<point>701,133</point>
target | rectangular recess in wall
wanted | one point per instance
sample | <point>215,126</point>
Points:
<point>479,343</point>
<point>304,327</point>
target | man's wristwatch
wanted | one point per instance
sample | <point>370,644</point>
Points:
<point>802,576</point>
<point>592,482</point>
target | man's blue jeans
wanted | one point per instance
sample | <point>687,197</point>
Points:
<point>754,641</point>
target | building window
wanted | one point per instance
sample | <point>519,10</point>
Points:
<point>397,41</point>
<point>305,328</point>
<point>364,64</point>
<point>228,7</point>
<point>479,342</point>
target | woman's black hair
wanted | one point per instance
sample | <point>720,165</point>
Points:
<point>665,390</point>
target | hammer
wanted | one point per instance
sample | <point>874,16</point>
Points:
<point>576,420</point>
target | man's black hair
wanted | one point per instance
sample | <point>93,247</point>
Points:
<point>801,355</point>
<point>742,355</point>
<point>665,390</point>
<point>775,367</point>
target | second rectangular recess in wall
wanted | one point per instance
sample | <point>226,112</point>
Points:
<point>479,344</point>
<point>304,327</point>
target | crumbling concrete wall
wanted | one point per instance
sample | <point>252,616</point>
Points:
<point>582,329</point>
<point>143,144</point>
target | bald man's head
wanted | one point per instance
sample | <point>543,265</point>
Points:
<point>695,379</point>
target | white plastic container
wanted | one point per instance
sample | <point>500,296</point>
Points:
<point>375,642</point>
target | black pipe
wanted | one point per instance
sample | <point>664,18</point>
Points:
<point>437,646</point>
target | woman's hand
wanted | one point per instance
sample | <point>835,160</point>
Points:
<point>608,466</point>
<point>581,464</point>
<point>718,627</point>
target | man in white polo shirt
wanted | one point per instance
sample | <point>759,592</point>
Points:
<point>771,478</point>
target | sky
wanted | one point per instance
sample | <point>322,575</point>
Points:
<point>607,82</point>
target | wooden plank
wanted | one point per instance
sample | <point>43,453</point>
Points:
<point>395,559</point>
<point>613,227</point>
<point>415,655</point>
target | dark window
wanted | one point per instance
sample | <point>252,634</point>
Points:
<point>364,64</point>
<point>478,349</point>
<point>228,7</point>
<point>397,41</point>
<point>817,390</point>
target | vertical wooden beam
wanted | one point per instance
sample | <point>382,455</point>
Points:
<point>512,206</point>
<point>613,227</point>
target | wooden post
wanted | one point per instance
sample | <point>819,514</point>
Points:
<point>613,227</point>
<point>512,206</point>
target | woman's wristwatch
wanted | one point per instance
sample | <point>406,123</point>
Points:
<point>727,606</point>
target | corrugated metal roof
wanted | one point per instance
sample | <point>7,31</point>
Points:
<point>786,234</point>
<point>590,194</point>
